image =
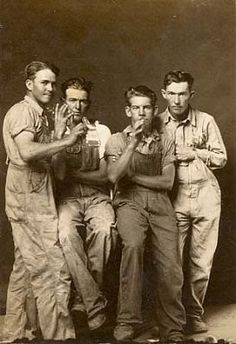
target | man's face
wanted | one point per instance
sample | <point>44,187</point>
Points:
<point>42,87</point>
<point>78,103</point>
<point>141,108</point>
<point>177,95</point>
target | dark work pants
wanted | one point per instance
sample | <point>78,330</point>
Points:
<point>141,214</point>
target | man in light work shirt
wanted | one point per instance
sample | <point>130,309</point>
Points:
<point>141,163</point>
<point>199,150</point>
<point>86,216</point>
<point>31,210</point>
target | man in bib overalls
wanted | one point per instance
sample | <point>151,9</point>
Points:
<point>141,164</point>
<point>86,216</point>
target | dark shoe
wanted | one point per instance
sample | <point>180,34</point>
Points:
<point>195,325</point>
<point>124,332</point>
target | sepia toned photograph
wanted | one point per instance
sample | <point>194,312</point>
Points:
<point>117,164</point>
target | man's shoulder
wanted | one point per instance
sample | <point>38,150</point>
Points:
<point>15,110</point>
<point>116,139</point>
<point>202,116</point>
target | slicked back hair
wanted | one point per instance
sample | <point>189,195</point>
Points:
<point>140,91</point>
<point>35,66</point>
<point>78,84</point>
<point>178,76</point>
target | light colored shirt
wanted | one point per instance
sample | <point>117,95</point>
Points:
<point>147,146</point>
<point>199,131</point>
<point>26,115</point>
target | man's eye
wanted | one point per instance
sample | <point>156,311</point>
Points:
<point>148,107</point>
<point>134,107</point>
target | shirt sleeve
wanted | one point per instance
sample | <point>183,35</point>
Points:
<point>104,134</point>
<point>115,146</point>
<point>21,119</point>
<point>168,156</point>
<point>214,155</point>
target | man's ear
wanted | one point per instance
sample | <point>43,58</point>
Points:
<point>192,93</point>
<point>29,84</point>
<point>155,113</point>
<point>163,93</point>
<point>127,111</point>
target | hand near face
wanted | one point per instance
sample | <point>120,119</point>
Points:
<point>137,131</point>
<point>61,117</point>
<point>185,153</point>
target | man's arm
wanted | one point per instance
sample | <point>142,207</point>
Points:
<point>158,182</point>
<point>98,177</point>
<point>119,166</point>
<point>214,156</point>
<point>30,150</point>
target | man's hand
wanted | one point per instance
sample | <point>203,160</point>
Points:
<point>137,132</point>
<point>61,117</point>
<point>78,130</point>
<point>185,153</point>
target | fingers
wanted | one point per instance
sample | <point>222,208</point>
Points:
<point>60,112</point>
<point>79,129</point>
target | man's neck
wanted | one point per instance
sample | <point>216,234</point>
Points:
<point>181,117</point>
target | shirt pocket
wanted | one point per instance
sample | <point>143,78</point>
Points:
<point>37,178</point>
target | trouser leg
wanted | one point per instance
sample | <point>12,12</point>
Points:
<point>101,237</point>
<point>205,226</point>
<point>49,277</point>
<point>132,226</point>
<point>21,313</point>
<point>167,265</point>
<point>70,225</point>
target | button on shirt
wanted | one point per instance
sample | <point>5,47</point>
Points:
<point>199,131</point>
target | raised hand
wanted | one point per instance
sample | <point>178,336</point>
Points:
<point>137,132</point>
<point>62,114</point>
<point>78,130</point>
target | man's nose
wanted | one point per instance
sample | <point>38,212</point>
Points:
<point>141,111</point>
<point>49,87</point>
<point>78,104</point>
<point>177,99</point>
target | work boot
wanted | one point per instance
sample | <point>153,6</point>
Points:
<point>195,325</point>
<point>123,332</point>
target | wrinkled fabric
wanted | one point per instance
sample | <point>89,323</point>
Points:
<point>39,261</point>
<point>86,225</point>
<point>88,237</point>
<point>198,209</point>
<point>197,201</point>
<point>144,214</point>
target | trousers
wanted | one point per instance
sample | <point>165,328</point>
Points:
<point>149,214</point>
<point>197,209</point>
<point>87,236</point>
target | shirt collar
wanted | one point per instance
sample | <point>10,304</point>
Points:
<point>191,117</point>
<point>34,105</point>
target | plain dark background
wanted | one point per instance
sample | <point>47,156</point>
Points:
<point>119,43</point>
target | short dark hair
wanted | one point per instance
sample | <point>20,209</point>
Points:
<point>142,91</point>
<point>178,76</point>
<point>35,66</point>
<point>79,83</point>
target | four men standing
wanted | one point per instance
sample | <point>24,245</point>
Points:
<point>76,237</point>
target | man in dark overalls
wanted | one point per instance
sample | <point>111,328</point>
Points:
<point>39,262</point>
<point>141,164</point>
